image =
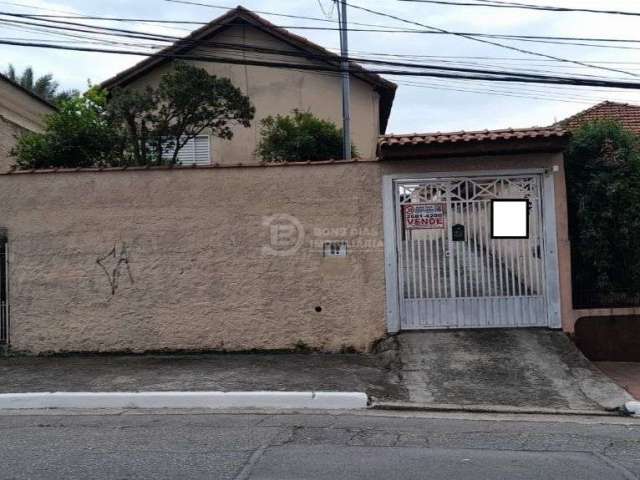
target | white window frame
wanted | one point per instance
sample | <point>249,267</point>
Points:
<point>194,160</point>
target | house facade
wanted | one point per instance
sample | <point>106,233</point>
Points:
<point>20,111</point>
<point>241,36</point>
<point>233,254</point>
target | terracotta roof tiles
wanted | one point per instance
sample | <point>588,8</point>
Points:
<point>628,115</point>
<point>471,137</point>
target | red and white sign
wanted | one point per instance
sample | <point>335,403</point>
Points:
<point>424,215</point>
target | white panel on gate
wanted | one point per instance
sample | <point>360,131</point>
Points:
<point>452,272</point>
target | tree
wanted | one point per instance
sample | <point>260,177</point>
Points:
<point>300,137</point>
<point>158,122</point>
<point>44,86</point>
<point>136,127</point>
<point>603,189</point>
<point>77,135</point>
<point>131,113</point>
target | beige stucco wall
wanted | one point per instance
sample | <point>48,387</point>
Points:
<point>19,112</point>
<point>278,91</point>
<point>194,242</point>
<point>9,132</point>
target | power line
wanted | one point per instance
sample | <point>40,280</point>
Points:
<point>551,92</point>
<point>260,49</point>
<point>95,29</point>
<point>275,14</point>
<point>492,92</point>
<point>523,90</point>
<point>515,76</point>
<point>97,40</point>
<point>119,31</point>
<point>245,47</point>
<point>381,28</point>
<point>469,37</point>
<point>554,40</point>
<point>24,5</point>
<point>506,77</point>
<point>524,6</point>
<point>167,38</point>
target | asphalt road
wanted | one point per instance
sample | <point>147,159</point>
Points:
<point>175,445</point>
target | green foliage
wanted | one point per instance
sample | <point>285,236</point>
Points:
<point>188,101</point>
<point>131,114</point>
<point>45,86</point>
<point>78,135</point>
<point>603,187</point>
<point>136,127</point>
<point>300,137</point>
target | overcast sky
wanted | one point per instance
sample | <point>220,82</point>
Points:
<point>433,105</point>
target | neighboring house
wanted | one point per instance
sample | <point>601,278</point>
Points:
<point>20,111</point>
<point>242,36</point>
<point>628,115</point>
<point>607,329</point>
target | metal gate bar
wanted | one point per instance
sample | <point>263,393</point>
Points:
<point>478,282</point>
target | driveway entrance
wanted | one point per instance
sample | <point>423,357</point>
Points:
<point>523,368</point>
<point>453,273</point>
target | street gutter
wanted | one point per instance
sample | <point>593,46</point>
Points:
<point>443,407</point>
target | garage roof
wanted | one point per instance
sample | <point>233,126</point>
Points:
<point>480,142</point>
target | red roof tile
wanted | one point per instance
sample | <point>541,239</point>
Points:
<point>628,115</point>
<point>471,137</point>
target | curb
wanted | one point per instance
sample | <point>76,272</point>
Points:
<point>438,407</point>
<point>212,400</point>
<point>632,408</point>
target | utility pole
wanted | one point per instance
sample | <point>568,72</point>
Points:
<point>346,88</point>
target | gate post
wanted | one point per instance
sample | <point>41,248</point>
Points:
<point>554,310</point>
<point>390,255</point>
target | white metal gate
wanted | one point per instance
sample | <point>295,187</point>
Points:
<point>452,274</point>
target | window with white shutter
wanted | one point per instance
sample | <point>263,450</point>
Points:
<point>195,152</point>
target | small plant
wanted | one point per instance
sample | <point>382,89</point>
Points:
<point>299,137</point>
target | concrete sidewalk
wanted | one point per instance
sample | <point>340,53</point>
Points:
<point>521,368</point>
<point>202,372</point>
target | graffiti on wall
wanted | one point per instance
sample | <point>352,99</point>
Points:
<point>115,264</point>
